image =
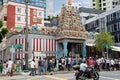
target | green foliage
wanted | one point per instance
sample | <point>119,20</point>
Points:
<point>50,18</point>
<point>1,24</point>
<point>103,38</point>
<point>3,32</point>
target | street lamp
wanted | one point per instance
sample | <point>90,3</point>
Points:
<point>21,52</point>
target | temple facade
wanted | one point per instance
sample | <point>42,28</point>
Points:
<point>70,35</point>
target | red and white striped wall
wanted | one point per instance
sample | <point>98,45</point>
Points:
<point>21,41</point>
<point>39,44</point>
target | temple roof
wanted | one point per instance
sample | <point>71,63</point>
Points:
<point>70,24</point>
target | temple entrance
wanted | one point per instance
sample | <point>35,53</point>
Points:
<point>74,49</point>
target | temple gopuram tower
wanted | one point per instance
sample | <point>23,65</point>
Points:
<point>71,35</point>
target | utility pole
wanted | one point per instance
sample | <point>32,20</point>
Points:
<point>26,33</point>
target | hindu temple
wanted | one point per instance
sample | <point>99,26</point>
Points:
<point>70,35</point>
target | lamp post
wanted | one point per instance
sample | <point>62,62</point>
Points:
<point>21,52</point>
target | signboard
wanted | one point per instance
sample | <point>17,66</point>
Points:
<point>18,28</point>
<point>39,54</point>
<point>18,46</point>
<point>90,42</point>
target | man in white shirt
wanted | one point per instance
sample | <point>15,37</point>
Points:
<point>9,67</point>
<point>32,66</point>
<point>83,66</point>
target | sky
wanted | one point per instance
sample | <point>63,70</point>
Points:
<point>58,3</point>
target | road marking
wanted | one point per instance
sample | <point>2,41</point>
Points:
<point>34,77</point>
<point>55,78</point>
<point>109,78</point>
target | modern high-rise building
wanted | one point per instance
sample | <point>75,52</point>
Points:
<point>104,4</point>
<point>38,3</point>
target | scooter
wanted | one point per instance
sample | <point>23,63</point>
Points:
<point>89,73</point>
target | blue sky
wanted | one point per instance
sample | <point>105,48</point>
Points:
<point>58,3</point>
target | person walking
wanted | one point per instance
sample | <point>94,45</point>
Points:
<point>40,66</point>
<point>10,67</point>
<point>4,71</point>
<point>24,67</point>
<point>32,65</point>
<point>107,65</point>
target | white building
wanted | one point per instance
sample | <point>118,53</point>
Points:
<point>108,21</point>
<point>86,13</point>
<point>104,4</point>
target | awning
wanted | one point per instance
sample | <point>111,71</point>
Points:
<point>90,45</point>
<point>116,48</point>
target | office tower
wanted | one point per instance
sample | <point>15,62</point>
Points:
<point>104,4</point>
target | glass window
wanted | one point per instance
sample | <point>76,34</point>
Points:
<point>104,8</point>
<point>19,10</point>
<point>93,4</point>
<point>18,18</point>
<point>116,38</point>
<point>115,27</point>
<point>34,19</point>
<point>113,3</point>
<point>104,4</point>
<point>119,26</point>
<point>40,14</point>
<point>34,12</point>
<point>119,37</point>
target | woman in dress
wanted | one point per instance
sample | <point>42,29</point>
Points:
<point>4,71</point>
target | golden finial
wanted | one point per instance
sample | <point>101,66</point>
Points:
<point>69,2</point>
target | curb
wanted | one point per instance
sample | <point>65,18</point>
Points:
<point>48,73</point>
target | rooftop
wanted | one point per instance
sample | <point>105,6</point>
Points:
<point>89,10</point>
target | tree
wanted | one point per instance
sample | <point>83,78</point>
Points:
<point>102,40</point>
<point>3,32</point>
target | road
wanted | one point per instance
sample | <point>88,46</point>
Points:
<point>104,75</point>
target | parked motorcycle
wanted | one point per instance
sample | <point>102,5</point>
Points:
<point>89,73</point>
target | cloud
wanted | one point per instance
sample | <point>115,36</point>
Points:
<point>49,7</point>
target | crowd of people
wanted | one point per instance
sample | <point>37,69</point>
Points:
<point>66,64</point>
<point>41,65</point>
<point>7,67</point>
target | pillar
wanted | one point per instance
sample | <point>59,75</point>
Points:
<point>84,50</point>
<point>65,50</point>
<point>58,50</point>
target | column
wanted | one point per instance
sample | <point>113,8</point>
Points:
<point>58,50</point>
<point>65,51</point>
<point>73,49</point>
<point>84,50</point>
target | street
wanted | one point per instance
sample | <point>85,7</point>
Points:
<point>104,75</point>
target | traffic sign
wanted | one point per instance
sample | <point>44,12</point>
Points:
<point>18,46</point>
<point>106,45</point>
